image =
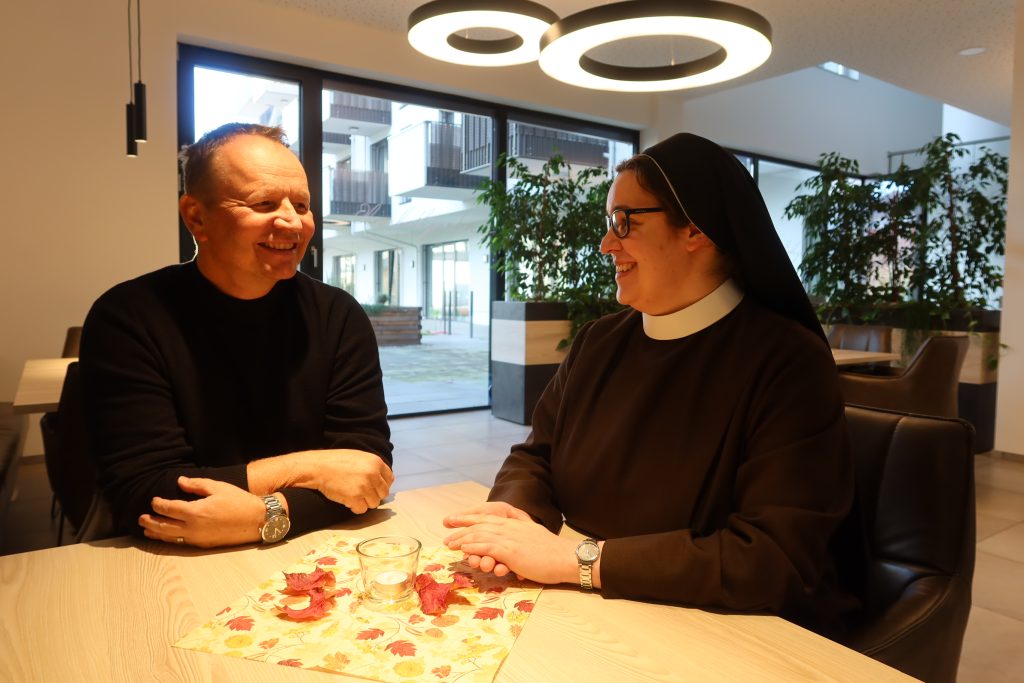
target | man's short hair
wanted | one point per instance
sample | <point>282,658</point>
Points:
<point>197,159</point>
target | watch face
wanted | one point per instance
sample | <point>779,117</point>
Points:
<point>588,552</point>
<point>275,528</point>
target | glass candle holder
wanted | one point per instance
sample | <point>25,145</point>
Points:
<point>388,565</point>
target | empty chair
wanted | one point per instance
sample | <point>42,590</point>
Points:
<point>927,386</point>
<point>915,493</point>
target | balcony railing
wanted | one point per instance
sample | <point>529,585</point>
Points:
<point>361,193</point>
<point>360,108</point>
<point>476,141</point>
<point>535,142</point>
<point>445,157</point>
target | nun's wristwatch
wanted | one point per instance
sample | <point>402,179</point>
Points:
<point>277,523</point>
<point>587,553</point>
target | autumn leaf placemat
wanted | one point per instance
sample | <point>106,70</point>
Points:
<point>317,619</point>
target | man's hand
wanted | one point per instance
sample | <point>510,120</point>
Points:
<point>357,479</point>
<point>521,546</point>
<point>225,515</point>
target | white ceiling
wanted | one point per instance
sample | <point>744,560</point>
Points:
<point>913,44</point>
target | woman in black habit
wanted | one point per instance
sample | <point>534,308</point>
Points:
<point>698,436</point>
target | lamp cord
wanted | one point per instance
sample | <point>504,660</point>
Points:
<point>138,33</point>
<point>131,73</point>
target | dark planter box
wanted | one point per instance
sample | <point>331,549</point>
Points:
<point>395,325</point>
<point>524,354</point>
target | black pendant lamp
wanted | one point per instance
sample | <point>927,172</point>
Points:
<point>135,110</point>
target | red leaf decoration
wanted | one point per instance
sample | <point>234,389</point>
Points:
<point>370,634</point>
<point>341,592</point>
<point>291,662</point>
<point>267,644</point>
<point>488,613</point>
<point>226,609</point>
<point>319,603</point>
<point>525,605</point>
<point>401,648</point>
<point>441,671</point>
<point>415,619</point>
<point>241,624</point>
<point>434,597</point>
<point>432,567</point>
<point>327,560</point>
<point>300,583</point>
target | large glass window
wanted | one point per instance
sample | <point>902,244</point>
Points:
<point>394,174</point>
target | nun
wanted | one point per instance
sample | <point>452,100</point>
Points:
<point>696,438</point>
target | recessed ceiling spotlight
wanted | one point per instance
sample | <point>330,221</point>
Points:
<point>440,30</point>
<point>971,51</point>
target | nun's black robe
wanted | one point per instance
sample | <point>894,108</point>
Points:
<point>715,465</point>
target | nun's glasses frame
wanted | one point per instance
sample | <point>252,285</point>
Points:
<point>618,220</point>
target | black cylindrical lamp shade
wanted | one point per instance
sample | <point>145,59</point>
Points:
<point>140,111</point>
<point>132,148</point>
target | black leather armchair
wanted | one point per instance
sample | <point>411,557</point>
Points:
<point>860,337</point>
<point>928,385</point>
<point>71,469</point>
<point>915,493</point>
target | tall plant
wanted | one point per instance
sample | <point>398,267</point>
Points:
<point>922,240</point>
<point>545,229</point>
<point>966,209</point>
<point>839,222</point>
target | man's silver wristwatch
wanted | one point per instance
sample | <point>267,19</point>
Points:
<point>277,523</point>
<point>587,553</point>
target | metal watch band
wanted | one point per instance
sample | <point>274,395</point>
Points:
<point>274,507</point>
<point>587,576</point>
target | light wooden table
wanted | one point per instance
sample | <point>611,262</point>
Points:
<point>852,357</point>
<point>40,385</point>
<point>109,611</point>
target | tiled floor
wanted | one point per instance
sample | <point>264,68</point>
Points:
<point>471,445</point>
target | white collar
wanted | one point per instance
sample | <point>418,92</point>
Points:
<point>695,317</point>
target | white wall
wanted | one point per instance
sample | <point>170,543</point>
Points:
<point>1009,426</point>
<point>801,115</point>
<point>970,126</point>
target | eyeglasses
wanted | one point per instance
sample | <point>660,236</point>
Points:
<point>618,220</point>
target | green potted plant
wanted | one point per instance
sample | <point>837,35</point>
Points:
<point>543,230</point>
<point>913,249</point>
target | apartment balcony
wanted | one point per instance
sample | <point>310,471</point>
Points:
<point>536,142</point>
<point>360,195</point>
<point>427,161</point>
<point>347,113</point>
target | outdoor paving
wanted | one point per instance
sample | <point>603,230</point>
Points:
<point>443,372</point>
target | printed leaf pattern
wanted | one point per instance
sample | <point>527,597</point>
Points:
<point>312,616</point>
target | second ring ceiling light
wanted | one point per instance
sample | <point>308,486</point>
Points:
<point>439,29</point>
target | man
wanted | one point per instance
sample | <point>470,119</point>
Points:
<point>232,398</point>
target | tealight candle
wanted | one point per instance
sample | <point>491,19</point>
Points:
<point>391,583</point>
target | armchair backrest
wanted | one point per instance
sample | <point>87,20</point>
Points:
<point>928,386</point>
<point>915,491</point>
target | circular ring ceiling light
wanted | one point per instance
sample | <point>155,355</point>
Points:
<point>434,30</point>
<point>743,36</point>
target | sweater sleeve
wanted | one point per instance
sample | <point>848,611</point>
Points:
<point>135,435</point>
<point>792,490</point>
<point>355,415</point>
<point>524,479</point>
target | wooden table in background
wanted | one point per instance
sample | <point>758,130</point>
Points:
<point>110,611</point>
<point>40,384</point>
<point>851,357</point>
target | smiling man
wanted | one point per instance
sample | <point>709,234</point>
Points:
<point>232,399</point>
